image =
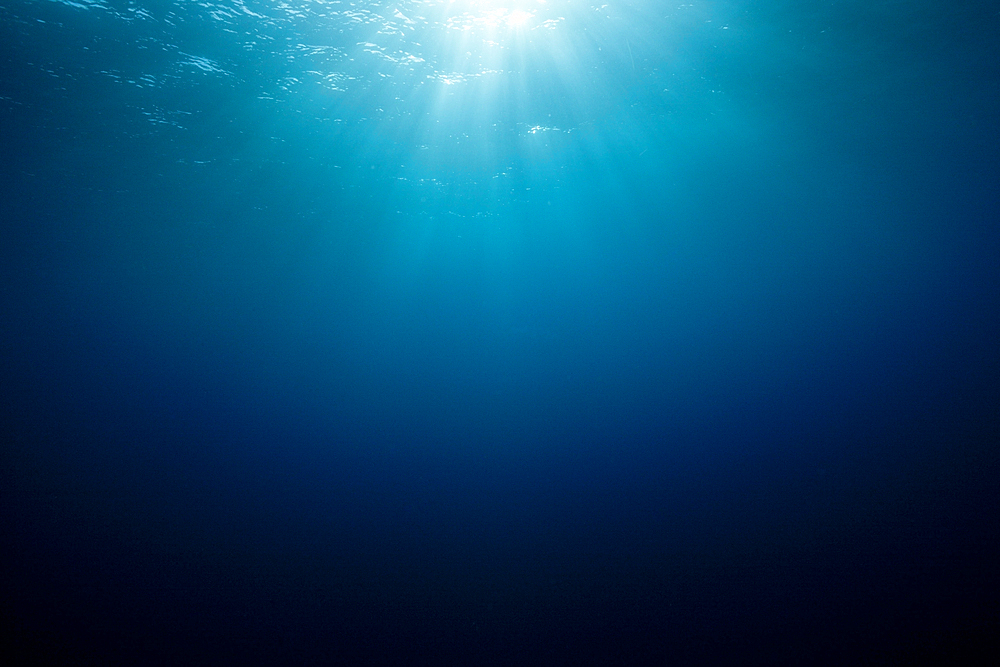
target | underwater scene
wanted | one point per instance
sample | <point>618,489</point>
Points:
<point>499,332</point>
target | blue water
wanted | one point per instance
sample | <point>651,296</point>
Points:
<point>486,332</point>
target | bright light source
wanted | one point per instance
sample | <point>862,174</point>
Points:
<point>518,18</point>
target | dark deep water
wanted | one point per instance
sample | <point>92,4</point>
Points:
<point>499,333</point>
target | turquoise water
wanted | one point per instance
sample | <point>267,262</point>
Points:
<point>486,332</point>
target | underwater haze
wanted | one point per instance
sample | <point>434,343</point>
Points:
<point>499,332</point>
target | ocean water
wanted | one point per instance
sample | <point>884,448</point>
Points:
<point>499,332</point>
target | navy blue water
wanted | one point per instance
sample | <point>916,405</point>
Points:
<point>427,332</point>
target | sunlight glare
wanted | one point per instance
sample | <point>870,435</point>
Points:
<point>470,14</point>
<point>518,18</point>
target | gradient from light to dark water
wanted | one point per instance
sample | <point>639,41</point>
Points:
<point>499,333</point>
